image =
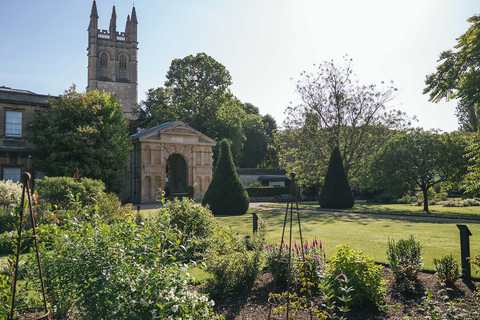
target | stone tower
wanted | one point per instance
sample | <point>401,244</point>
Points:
<point>112,59</point>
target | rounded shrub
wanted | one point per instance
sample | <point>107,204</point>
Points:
<point>226,194</point>
<point>56,190</point>
<point>10,193</point>
<point>361,273</point>
<point>336,192</point>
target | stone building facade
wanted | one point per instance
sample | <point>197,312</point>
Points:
<point>172,154</point>
<point>17,108</point>
<point>112,59</point>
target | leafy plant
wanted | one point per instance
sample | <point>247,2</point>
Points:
<point>7,219</point>
<point>56,190</point>
<point>5,295</point>
<point>10,193</point>
<point>363,275</point>
<point>405,260</point>
<point>447,269</point>
<point>277,259</point>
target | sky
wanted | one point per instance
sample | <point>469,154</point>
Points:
<point>264,44</point>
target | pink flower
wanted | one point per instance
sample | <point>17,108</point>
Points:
<point>321,245</point>
<point>318,259</point>
<point>324,255</point>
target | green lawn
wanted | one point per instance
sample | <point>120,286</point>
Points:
<point>472,213</point>
<point>370,234</point>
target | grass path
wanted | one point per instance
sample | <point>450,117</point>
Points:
<point>369,233</point>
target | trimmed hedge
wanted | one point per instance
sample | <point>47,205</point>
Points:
<point>267,191</point>
<point>336,192</point>
<point>226,193</point>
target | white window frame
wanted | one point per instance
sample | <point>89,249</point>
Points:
<point>13,174</point>
<point>13,123</point>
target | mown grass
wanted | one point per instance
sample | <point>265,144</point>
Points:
<point>439,211</point>
<point>370,234</point>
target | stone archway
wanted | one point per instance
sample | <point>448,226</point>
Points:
<point>177,173</point>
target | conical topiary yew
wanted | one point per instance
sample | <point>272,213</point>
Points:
<point>226,194</point>
<point>336,192</point>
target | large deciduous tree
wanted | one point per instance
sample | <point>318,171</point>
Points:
<point>85,133</point>
<point>335,110</point>
<point>417,160</point>
<point>458,77</point>
<point>196,92</point>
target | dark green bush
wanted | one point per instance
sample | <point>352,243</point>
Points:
<point>447,268</point>
<point>336,192</point>
<point>233,273</point>
<point>226,194</point>
<point>6,243</point>
<point>267,191</point>
<point>7,220</point>
<point>405,260</point>
<point>362,274</point>
<point>56,190</point>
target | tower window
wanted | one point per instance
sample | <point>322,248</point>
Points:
<point>123,67</point>
<point>103,64</point>
<point>13,124</point>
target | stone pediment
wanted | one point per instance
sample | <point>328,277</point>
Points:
<point>175,132</point>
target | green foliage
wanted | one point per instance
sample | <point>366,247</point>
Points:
<point>472,179</point>
<point>277,261</point>
<point>336,192</point>
<point>447,269</point>
<point>457,77</point>
<point>461,203</point>
<point>84,133</point>
<point>335,110</point>
<point>191,191</point>
<point>7,219</point>
<point>267,191</point>
<point>110,207</point>
<point>423,159</point>
<point>57,190</point>
<point>123,270</point>
<point>10,193</point>
<point>363,275</point>
<point>233,273</point>
<point>196,92</point>
<point>196,225</point>
<point>6,243</point>
<point>5,295</point>
<point>226,194</point>
<point>256,142</point>
<point>405,260</point>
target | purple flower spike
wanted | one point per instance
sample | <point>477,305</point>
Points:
<point>306,245</point>
<point>324,255</point>
<point>321,245</point>
<point>318,259</point>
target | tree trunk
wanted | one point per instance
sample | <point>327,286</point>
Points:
<point>425,199</point>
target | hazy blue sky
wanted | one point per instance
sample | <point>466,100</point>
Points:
<point>265,44</point>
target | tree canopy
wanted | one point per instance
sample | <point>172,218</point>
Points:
<point>197,92</point>
<point>458,77</point>
<point>335,110</point>
<point>84,133</point>
<point>417,160</point>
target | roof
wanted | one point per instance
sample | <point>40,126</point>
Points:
<point>18,96</point>
<point>273,178</point>
<point>258,172</point>
<point>157,128</point>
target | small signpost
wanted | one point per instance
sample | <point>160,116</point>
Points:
<point>465,251</point>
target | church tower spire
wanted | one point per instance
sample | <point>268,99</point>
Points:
<point>112,59</point>
<point>113,24</point>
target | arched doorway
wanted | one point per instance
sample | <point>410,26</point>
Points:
<point>177,173</point>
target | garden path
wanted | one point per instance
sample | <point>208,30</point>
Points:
<point>265,206</point>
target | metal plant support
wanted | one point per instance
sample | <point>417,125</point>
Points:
<point>292,198</point>
<point>26,191</point>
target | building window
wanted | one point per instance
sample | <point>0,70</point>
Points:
<point>103,64</point>
<point>11,174</point>
<point>123,67</point>
<point>13,124</point>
